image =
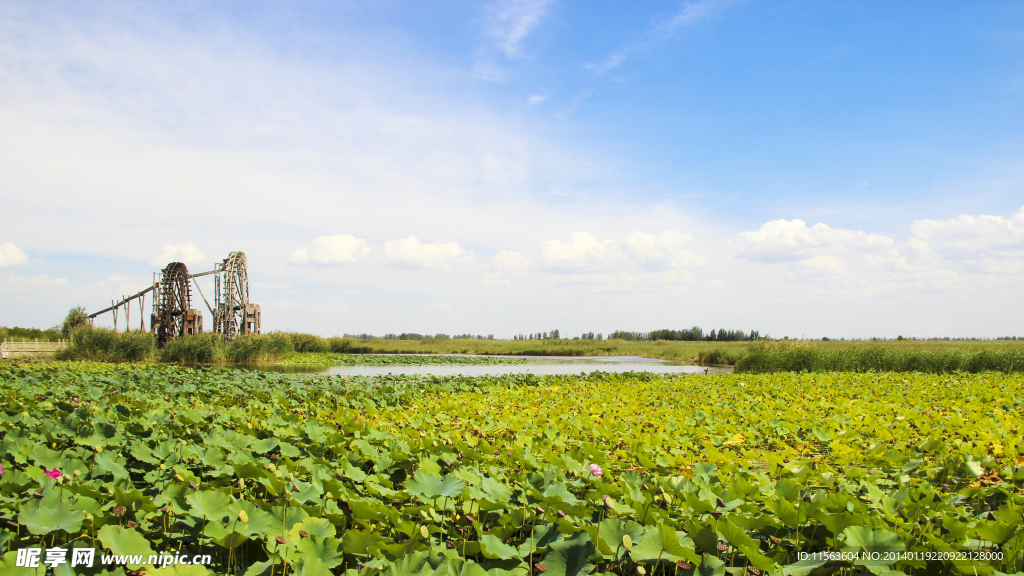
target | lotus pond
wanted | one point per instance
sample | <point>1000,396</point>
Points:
<point>631,474</point>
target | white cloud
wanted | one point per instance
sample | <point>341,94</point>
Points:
<point>972,236</point>
<point>580,252</point>
<point>535,99</point>
<point>509,22</point>
<point>185,253</point>
<point>690,14</point>
<point>11,256</point>
<point>511,262</point>
<point>26,285</point>
<point>409,252</point>
<point>792,240</point>
<point>819,266</point>
<point>332,250</point>
<point>662,251</point>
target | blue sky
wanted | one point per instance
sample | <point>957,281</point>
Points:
<point>842,169</point>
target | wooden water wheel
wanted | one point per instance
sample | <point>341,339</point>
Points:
<point>172,303</point>
<point>234,314</point>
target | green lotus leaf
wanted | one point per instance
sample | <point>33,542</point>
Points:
<point>704,470</point>
<point>45,516</point>
<point>133,500</point>
<point>409,565</point>
<point>711,566</point>
<point>312,566</point>
<point>289,450</point>
<point>559,492</point>
<point>312,527</point>
<point>265,445</point>
<point>261,568</point>
<point>663,543</point>
<point>215,458</point>
<point>45,457</point>
<point>9,566</point>
<point>327,550</point>
<point>125,541</point>
<point>361,542</point>
<point>430,485</point>
<point>865,539</point>
<point>107,462</point>
<point>212,504</point>
<point>257,521</point>
<point>570,557</point>
<point>543,535</point>
<point>459,567</point>
<point>999,532</point>
<point>495,549</point>
<point>611,531</point>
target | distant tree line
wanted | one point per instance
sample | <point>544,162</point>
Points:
<point>415,336</point>
<point>14,332</point>
<point>687,334</point>
<point>553,335</point>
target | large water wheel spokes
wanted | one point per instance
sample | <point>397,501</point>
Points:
<point>232,298</point>
<point>172,303</point>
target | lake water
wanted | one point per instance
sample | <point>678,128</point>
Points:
<point>540,365</point>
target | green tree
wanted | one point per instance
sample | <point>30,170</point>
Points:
<point>76,317</point>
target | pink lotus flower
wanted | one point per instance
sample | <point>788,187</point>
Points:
<point>54,474</point>
<point>1,469</point>
<point>75,399</point>
<point>596,470</point>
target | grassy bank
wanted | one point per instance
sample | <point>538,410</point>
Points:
<point>664,349</point>
<point>900,356</point>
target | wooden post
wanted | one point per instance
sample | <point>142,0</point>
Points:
<point>114,312</point>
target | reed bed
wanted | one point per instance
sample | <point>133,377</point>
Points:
<point>105,345</point>
<point>767,357</point>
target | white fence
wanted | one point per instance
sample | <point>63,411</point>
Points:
<point>12,349</point>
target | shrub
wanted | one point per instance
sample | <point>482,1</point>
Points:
<point>259,348</point>
<point>104,344</point>
<point>76,317</point>
<point>790,357</point>
<point>309,343</point>
<point>716,356</point>
<point>194,349</point>
<point>347,346</point>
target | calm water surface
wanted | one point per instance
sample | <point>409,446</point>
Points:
<point>541,365</point>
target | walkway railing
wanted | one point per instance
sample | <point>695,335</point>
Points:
<point>11,348</point>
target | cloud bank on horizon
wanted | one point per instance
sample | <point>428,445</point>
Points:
<point>524,165</point>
